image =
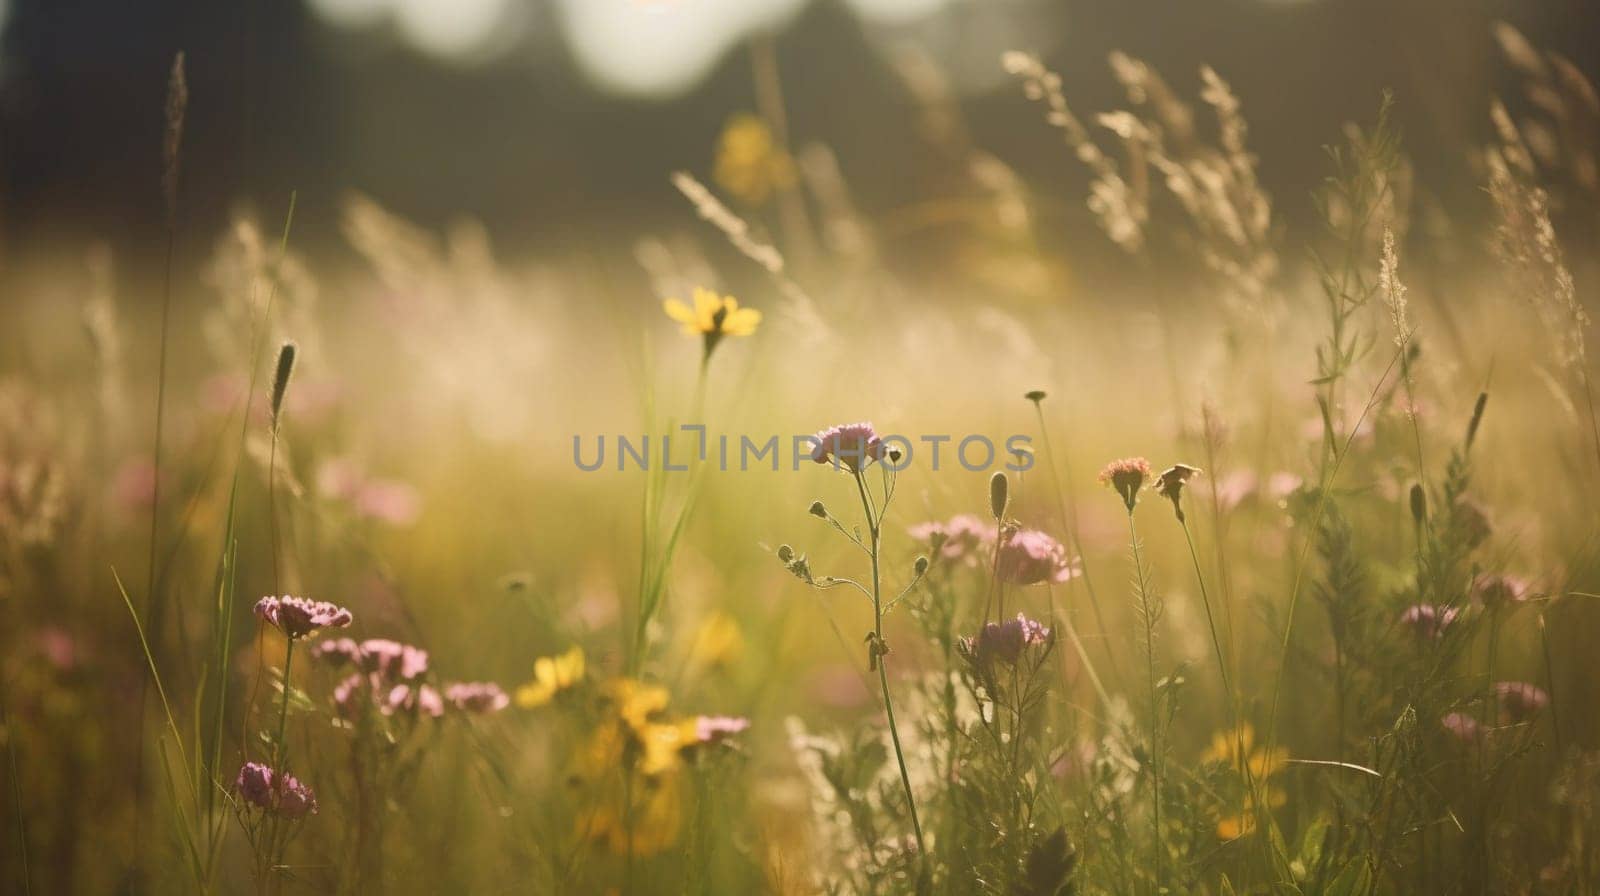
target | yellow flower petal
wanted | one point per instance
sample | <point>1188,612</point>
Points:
<point>530,696</point>
<point>706,305</point>
<point>551,675</point>
<point>741,322</point>
<point>678,311</point>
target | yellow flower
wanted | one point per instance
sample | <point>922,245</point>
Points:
<point>651,750</point>
<point>551,675</point>
<point>643,823</point>
<point>635,702</point>
<point>750,165</point>
<point>1228,746</point>
<point>718,643</point>
<point>1234,749</point>
<point>1232,827</point>
<point>627,771</point>
<point>713,317</point>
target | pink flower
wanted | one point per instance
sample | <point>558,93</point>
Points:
<point>260,786</point>
<point>479,697</point>
<point>389,501</point>
<point>58,646</point>
<point>298,617</point>
<point>411,700</point>
<point>852,446</point>
<point>393,661</point>
<point>1235,488</point>
<point>1427,621</point>
<point>1464,727</point>
<point>1282,484</point>
<point>389,660</point>
<point>337,652</point>
<point>1126,477</point>
<point>339,478</point>
<point>1521,701</point>
<point>345,693</point>
<point>961,538</point>
<point>715,729</point>
<point>1028,557</point>
<point>385,500</point>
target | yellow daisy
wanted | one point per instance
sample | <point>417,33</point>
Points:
<point>713,317</point>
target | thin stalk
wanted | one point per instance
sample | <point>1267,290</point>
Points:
<point>1205,600</point>
<point>16,796</point>
<point>1067,505</point>
<point>1146,611</point>
<point>874,528</point>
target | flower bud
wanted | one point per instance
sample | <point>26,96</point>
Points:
<point>999,494</point>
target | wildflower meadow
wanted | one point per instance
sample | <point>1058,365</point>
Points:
<point>801,544</point>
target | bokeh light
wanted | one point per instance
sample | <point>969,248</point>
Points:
<point>453,30</point>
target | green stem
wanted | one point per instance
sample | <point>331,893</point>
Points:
<point>1155,712</point>
<point>1205,600</point>
<point>874,528</point>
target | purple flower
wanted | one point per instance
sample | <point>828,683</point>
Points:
<point>852,446</point>
<point>1427,621</point>
<point>298,617</point>
<point>1028,557</point>
<point>1004,642</point>
<point>479,697</point>
<point>261,787</point>
<point>1519,700</point>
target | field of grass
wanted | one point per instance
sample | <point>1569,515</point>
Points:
<point>1275,573</point>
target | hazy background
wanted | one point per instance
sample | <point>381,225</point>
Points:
<point>557,121</point>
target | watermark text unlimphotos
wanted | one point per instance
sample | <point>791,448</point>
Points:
<point>744,452</point>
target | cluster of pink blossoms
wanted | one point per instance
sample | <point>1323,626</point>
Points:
<point>1026,556</point>
<point>388,675</point>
